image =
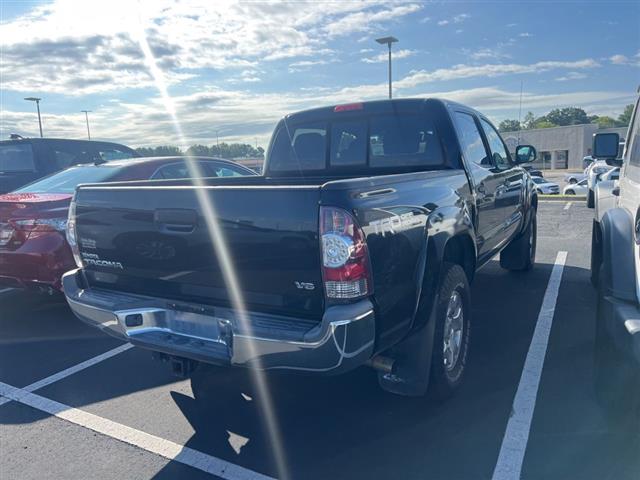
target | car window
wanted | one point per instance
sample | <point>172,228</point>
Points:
<point>109,153</point>
<point>217,170</point>
<point>471,140</point>
<point>539,180</point>
<point>633,142</point>
<point>403,140</point>
<point>498,149</point>
<point>583,182</point>
<point>66,154</point>
<point>67,180</point>
<point>300,147</point>
<point>16,157</point>
<point>349,143</point>
<point>174,171</point>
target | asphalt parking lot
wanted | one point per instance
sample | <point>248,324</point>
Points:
<point>332,427</point>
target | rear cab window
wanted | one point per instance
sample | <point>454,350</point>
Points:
<point>16,157</point>
<point>357,144</point>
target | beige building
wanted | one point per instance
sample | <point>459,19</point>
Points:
<point>559,147</point>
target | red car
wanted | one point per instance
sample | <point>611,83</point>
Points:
<point>33,248</point>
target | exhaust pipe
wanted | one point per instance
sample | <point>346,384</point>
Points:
<point>381,363</point>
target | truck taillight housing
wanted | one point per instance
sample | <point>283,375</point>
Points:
<point>346,269</point>
<point>71,234</point>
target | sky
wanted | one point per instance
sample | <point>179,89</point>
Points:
<point>232,69</point>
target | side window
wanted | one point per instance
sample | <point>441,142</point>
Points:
<point>471,140</point>
<point>215,169</point>
<point>70,154</point>
<point>172,171</point>
<point>109,153</point>
<point>498,150</point>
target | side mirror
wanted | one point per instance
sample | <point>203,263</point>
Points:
<point>605,146</point>
<point>525,154</point>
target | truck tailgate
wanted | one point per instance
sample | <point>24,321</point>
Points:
<point>156,241</point>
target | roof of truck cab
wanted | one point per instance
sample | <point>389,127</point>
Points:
<point>378,106</point>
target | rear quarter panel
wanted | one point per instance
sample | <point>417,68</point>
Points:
<point>407,220</point>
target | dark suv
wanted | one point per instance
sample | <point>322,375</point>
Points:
<point>27,159</point>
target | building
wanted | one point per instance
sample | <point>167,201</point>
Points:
<point>559,147</point>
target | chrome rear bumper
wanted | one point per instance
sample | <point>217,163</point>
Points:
<point>344,338</point>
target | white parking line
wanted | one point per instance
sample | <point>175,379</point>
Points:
<point>123,433</point>
<point>71,370</point>
<point>516,436</point>
<point>568,205</point>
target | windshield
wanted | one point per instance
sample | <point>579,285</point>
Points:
<point>382,141</point>
<point>539,180</point>
<point>16,157</point>
<point>67,180</point>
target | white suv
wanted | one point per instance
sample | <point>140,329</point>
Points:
<point>615,269</point>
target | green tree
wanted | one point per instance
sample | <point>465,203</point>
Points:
<point>509,125</point>
<point>606,122</point>
<point>567,116</point>
<point>542,122</point>
<point>161,151</point>
<point>624,119</point>
<point>529,121</point>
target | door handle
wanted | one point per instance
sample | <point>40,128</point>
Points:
<point>176,220</point>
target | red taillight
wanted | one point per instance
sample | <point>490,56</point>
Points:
<point>346,270</point>
<point>348,107</point>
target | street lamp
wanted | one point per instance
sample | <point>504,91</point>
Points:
<point>388,41</point>
<point>86,117</point>
<point>37,100</point>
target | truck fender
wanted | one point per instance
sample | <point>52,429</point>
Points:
<point>413,355</point>
<point>618,270</point>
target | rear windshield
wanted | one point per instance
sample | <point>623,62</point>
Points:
<point>16,157</point>
<point>67,180</point>
<point>383,141</point>
<point>539,180</point>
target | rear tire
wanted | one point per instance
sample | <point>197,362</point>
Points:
<point>591,200</point>
<point>520,254</point>
<point>452,332</point>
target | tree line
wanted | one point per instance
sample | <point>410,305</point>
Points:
<point>223,150</point>
<point>560,117</point>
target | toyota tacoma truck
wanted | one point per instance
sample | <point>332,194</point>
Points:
<point>355,247</point>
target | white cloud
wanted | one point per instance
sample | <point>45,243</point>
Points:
<point>425,20</point>
<point>442,23</point>
<point>461,18</point>
<point>620,59</point>
<point>525,34</point>
<point>43,48</point>
<point>384,56</point>
<point>486,53</point>
<point>571,76</point>
<point>490,70</point>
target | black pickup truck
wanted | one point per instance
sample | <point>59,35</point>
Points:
<point>356,247</point>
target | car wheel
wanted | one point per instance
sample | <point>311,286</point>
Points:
<point>591,201</point>
<point>452,332</point>
<point>520,254</point>
<point>570,192</point>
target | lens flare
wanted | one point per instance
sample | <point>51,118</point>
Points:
<point>219,245</point>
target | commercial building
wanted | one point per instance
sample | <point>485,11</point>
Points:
<point>559,147</point>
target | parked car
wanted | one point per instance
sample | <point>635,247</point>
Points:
<point>534,172</point>
<point>357,247</point>
<point>615,268</point>
<point>546,187</point>
<point>24,160</point>
<point>573,178</point>
<point>33,250</point>
<point>579,188</point>
<point>611,175</point>
<point>594,173</point>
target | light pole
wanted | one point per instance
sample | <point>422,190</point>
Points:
<point>37,100</point>
<point>86,117</point>
<point>388,41</point>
